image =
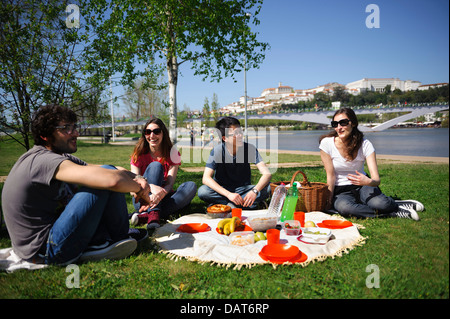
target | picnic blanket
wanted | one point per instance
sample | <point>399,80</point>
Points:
<point>212,247</point>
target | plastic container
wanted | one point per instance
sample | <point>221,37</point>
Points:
<point>315,235</point>
<point>262,222</point>
<point>218,215</point>
<point>278,197</point>
<point>242,238</point>
<point>290,204</point>
<point>292,227</point>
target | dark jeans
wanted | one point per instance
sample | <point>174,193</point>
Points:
<point>210,196</point>
<point>92,216</point>
<point>173,201</point>
<point>362,201</point>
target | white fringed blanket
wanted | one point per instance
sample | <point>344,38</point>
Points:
<point>212,247</point>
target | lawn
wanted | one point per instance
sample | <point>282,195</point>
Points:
<point>412,257</point>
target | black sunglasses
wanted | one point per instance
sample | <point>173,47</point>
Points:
<point>343,122</point>
<point>68,128</point>
<point>156,131</point>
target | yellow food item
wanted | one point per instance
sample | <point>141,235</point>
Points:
<point>222,224</point>
<point>259,236</point>
<point>310,223</point>
<point>226,229</point>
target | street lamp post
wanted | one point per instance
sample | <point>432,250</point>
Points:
<point>245,101</point>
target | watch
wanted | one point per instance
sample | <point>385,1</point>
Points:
<point>254,190</point>
<point>139,176</point>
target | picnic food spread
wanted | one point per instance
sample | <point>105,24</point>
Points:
<point>244,246</point>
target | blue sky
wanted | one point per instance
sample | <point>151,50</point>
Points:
<point>321,41</point>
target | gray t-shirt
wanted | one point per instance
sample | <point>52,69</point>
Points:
<point>32,200</point>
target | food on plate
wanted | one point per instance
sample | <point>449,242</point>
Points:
<point>242,238</point>
<point>315,235</point>
<point>259,236</point>
<point>309,223</point>
<point>292,227</point>
<point>218,209</point>
<point>314,232</point>
<point>229,225</point>
<point>222,223</point>
<point>262,222</point>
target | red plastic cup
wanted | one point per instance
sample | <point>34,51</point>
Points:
<point>236,212</point>
<point>300,216</point>
<point>273,236</point>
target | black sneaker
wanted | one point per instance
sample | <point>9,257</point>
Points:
<point>416,205</point>
<point>117,250</point>
<point>138,234</point>
<point>406,211</point>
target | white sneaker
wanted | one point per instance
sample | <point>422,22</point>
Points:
<point>406,211</point>
<point>117,250</point>
<point>417,206</point>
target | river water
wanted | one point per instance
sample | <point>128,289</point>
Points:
<point>432,142</point>
<point>405,141</point>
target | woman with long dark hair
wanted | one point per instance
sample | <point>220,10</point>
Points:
<point>155,158</point>
<point>352,192</point>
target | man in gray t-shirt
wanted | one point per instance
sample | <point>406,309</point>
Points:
<point>32,199</point>
<point>59,209</point>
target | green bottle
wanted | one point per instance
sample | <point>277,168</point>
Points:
<point>290,203</point>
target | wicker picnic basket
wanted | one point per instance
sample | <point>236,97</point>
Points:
<point>311,196</point>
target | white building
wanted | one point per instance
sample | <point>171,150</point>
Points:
<point>431,86</point>
<point>378,85</point>
<point>284,94</point>
<point>278,92</point>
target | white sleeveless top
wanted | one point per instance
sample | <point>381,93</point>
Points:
<point>343,167</point>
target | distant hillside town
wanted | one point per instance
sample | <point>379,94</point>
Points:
<point>283,94</point>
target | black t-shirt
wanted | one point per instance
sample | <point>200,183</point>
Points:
<point>233,171</point>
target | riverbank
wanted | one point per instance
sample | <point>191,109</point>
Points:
<point>382,159</point>
<point>392,158</point>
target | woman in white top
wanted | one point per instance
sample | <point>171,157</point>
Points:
<point>352,192</point>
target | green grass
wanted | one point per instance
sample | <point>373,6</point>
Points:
<point>413,257</point>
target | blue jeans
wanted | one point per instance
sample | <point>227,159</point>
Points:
<point>91,217</point>
<point>363,202</point>
<point>175,200</point>
<point>210,196</point>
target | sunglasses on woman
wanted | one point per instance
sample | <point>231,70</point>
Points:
<point>343,122</point>
<point>156,131</point>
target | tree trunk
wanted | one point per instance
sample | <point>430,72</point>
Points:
<point>172,71</point>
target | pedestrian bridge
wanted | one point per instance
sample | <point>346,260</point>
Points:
<point>324,117</point>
